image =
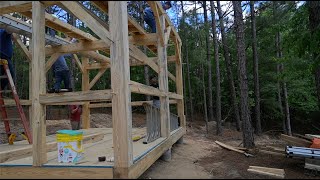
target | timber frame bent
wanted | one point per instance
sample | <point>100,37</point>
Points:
<point>119,40</point>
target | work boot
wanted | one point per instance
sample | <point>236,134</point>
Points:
<point>51,91</point>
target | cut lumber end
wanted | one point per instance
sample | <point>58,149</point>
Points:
<point>273,172</point>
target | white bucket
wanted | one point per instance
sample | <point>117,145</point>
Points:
<point>69,146</point>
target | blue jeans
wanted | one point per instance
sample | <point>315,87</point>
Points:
<point>62,76</point>
<point>5,81</point>
<point>151,22</point>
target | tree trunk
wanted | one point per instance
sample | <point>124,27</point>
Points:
<point>216,57</point>
<point>284,126</point>
<point>248,138</point>
<point>255,70</point>
<point>185,45</point>
<point>204,6</point>
<point>204,98</point>
<point>281,82</point>
<point>286,103</point>
<point>229,69</point>
<point>314,26</point>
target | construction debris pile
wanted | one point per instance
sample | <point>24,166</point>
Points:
<point>306,147</point>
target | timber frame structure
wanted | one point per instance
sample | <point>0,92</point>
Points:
<point>119,39</point>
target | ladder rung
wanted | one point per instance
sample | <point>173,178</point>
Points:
<point>3,77</point>
<point>11,119</point>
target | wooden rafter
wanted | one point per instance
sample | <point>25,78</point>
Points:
<point>20,44</point>
<point>97,95</point>
<point>85,17</point>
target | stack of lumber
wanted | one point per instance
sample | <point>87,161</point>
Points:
<point>273,172</point>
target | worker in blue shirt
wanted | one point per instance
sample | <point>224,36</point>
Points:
<point>61,73</point>
<point>149,16</point>
<point>6,52</point>
<point>61,70</point>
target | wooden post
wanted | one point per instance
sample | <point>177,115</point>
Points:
<point>38,84</point>
<point>120,79</point>
<point>85,87</point>
<point>163,82</point>
<point>179,85</point>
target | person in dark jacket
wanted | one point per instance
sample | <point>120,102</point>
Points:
<point>149,16</point>
<point>6,52</point>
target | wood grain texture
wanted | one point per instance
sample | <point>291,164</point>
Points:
<point>38,84</point>
<point>120,78</point>
<point>55,173</point>
<point>14,6</point>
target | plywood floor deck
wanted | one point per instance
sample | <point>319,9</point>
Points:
<point>92,150</point>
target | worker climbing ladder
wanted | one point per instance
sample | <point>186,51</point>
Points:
<point>11,136</point>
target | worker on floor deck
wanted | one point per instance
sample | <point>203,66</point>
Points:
<point>61,72</point>
<point>6,52</point>
<point>149,16</point>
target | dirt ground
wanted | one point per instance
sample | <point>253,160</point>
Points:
<point>199,157</point>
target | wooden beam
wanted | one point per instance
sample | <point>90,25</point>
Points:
<point>171,76</point>
<point>120,78</point>
<point>175,96</point>
<point>179,87</point>
<point>144,89</point>
<point>63,27</point>
<point>97,95</point>
<point>17,40</point>
<point>26,151</point>
<point>11,102</point>
<point>149,90</point>
<point>99,44</point>
<point>140,56</point>
<point>85,87</point>
<point>167,35</point>
<point>134,103</point>
<point>85,17</point>
<point>163,84</point>
<point>38,85</point>
<point>52,60</point>
<point>97,66</point>
<point>103,6</point>
<point>148,159</point>
<point>77,47</point>
<point>96,56</point>
<point>178,52</point>
<point>97,77</point>
<point>146,39</point>
<point>56,172</point>
<point>14,6</point>
<point>273,172</point>
<point>160,25</point>
<point>75,57</point>
<point>167,19</point>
